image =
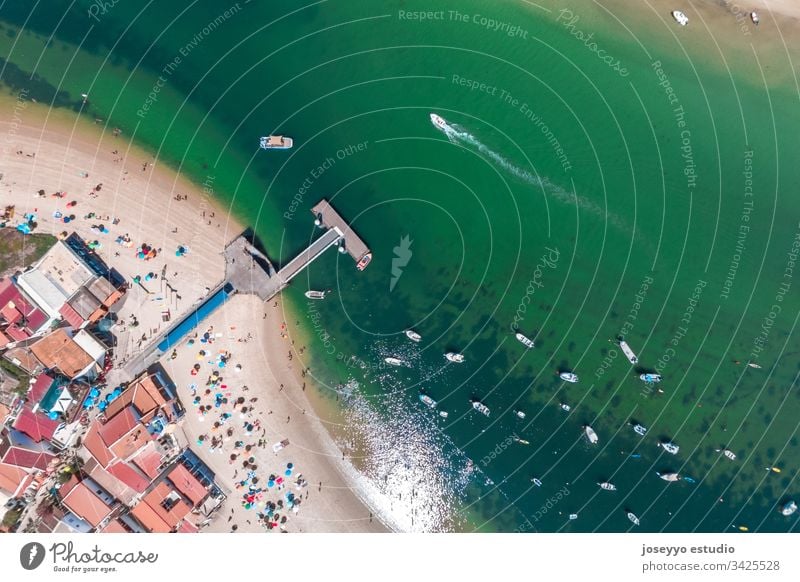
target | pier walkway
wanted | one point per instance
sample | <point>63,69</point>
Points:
<point>327,217</point>
<point>301,261</point>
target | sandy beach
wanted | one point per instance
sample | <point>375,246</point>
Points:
<point>115,190</point>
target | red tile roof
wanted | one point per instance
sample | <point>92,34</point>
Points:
<point>39,388</point>
<point>37,426</point>
<point>187,527</point>
<point>187,484</point>
<point>161,494</point>
<point>11,477</point>
<point>149,519</point>
<point>86,504</point>
<point>114,526</point>
<point>95,445</point>
<point>17,334</point>
<point>4,340</point>
<point>118,426</point>
<point>71,316</point>
<point>130,476</point>
<point>27,459</point>
<point>148,460</point>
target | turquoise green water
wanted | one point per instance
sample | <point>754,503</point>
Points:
<point>578,202</point>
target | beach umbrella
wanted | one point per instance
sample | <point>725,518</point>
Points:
<point>94,393</point>
<point>288,472</point>
<point>52,415</point>
<point>290,465</point>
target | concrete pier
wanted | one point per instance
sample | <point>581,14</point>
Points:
<point>326,217</point>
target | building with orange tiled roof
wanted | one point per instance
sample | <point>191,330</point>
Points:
<point>86,500</point>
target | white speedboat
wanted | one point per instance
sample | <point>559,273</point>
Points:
<point>525,340</point>
<point>568,377</point>
<point>669,476</point>
<point>480,407</point>
<point>393,361</point>
<point>754,365</point>
<point>788,508</point>
<point>680,17</point>
<point>729,454</point>
<point>639,429</point>
<point>443,414</point>
<point>573,516</point>
<point>626,349</point>
<point>565,407</point>
<point>650,378</point>
<point>520,441</point>
<point>754,17</point>
<point>413,336</point>
<point>633,518</point>
<point>455,357</point>
<point>364,261</point>
<point>670,447</point>
<point>606,486</point>
<point>520,414</point>
<point>590,434</point>
<point>439,122</point>
<point>311,294</point>
<point>427,401</point>
<point>276,142</point>
<point>536,481</point>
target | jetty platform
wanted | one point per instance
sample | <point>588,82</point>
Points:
<point>327,217</point>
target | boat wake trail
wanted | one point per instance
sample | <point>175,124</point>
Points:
<point>458,135</point>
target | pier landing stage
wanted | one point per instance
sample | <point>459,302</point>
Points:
<point>326,217</point>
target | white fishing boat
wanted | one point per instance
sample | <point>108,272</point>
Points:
<point>276,142</point>
<point>754,365</point>
<point>626,349</point>
<point>525,340</point>
<point>573,516</point>
<point>729,454</point>
<point>443,414</point>
<point>454,357</point>
<point>536,481</point>
<point>669,476</point>
<point>680,17</point>
<point>412,335</point>
<point>480,407</point>
<point>639,429</point>
<point>569,377</point>
<point>590,434</point>
<point>633,518</point>
<point>439,122</point>
<point>565,407</point>
<point>311,294</point>
<point>670,447</point>
<point>606,486</point>
<point>520,414</point>
<point>393,361</point>
<point>650,378</point>
<point>427,401</point>
<point>788,508</point>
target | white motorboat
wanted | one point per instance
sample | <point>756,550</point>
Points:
<point>670,447</point>
<point>626,349</point>
<point>439,122</point>
<point>669,476</point>
<point>639,429</point>
<point>454,357</point>
<point>754,17</point>
<point>443,414</point>
<point>536,481</point>
<point>788,508</point>
<point>606,486</point>
<point>480,407</point>
<point>632,516</point>
<point>565,407</point>
<point>729,454</point>
<point>525,340</point>
<point>568,377</point>
<point>650,378</point>
<point>412,335</point>
<point>680,17</point>
<point>520,441</point>
<point>520,414</point>
<point>311,294</point>
<point>393,361</point>
<point>276,142</point>
<point>590,434</point>
<point>427,401</point>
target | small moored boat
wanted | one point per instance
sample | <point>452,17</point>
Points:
<point>536,481</point>
<point>633,518</point>
<point>669,476</point>
<point>480,407</point>
<point>788,508</point>
<point>565,407</point>
<point>670,447</point>
<point>569,377</point>
<point>364,261</point>
<point>393,361</point>
<point>276,142</point>
<point>729,454</point>
<point>525,340</point>
<point>606,486</point>
<point>640,429</point>
<point>443,414</point>
<point>454,357</point>
<point>311,294</point>
<point>590,434</point>
<point>680,17</point>
<point>650,378</point>
<point>427,401</point>
<point>520,414</point>
<point>626,349</point>
<point>754,17</point>
<point>520,441</point>
<point>412,335</point>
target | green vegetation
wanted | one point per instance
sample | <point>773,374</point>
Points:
<point>17,373</point>
<point>18,250</point>
<point>11,517</point>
